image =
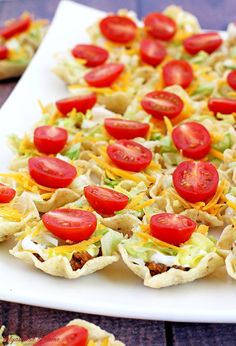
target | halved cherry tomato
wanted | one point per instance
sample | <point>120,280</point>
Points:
<point>80,102</point>
<point>129,155</point>
<point>6,193</point>
<point>160,26</point>
<point>196,181</point>
<point>178,72</point>
<point>207,41</point>
<point>172,228</point>
<point>15,27</point>
<point>105,201</point>
<point>222,105</point>
<point>125,129</point>
<point>162,103</point>
<point>193,139</point>
<point>70,224</point>
<point>118,29</point>
<point>51,172</point>
<point>152,52</point>
<point>231,79</point>
<point>93,55</point>
<point>50,139</point>
<point>65,336</point>
<point>104,75</point>
<point>3,52</point>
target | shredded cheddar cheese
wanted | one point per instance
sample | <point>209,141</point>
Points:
<point>231,204</point>
<point>181,35</point>
<point>146,237</point>
<point>145,228</point>
<point>105,342</point>
<point>27,147</point>
<point>91,343</point>
<point>116,171</point>
<point>203,229</point>
<point>217,154</point>
<point>144,204</point>
<point>135,200</point>
<point>10,213</point>
<point>216,137</point>
<point>169,126</point>
<point>221,190</point>
<point>213,206</point>
<point>27,183</point>
<point>108,166</point>
<point>80,247</point>
<point>106,90</point>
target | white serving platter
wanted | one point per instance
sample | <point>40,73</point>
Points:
<point>114,291</point>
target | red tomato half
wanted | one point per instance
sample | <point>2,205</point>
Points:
<point>104,75</point>
<point>80,102</point>
<point>196,181</point>
<point>207,41</point>
<point>162,103</point>
<point>3,52</point>
<point>152,52</point>
<point>15,27</point>
<point>70,224</point>
<point>129,155</point>
<point>65,336</point>
<point>178,72</point>
<point>105,201</point>
<point>125,129</point>
<point>51,172</point>
<point>192,139</point>
<point>222,105</point>
<point>172,228</point>
<point>93,55</point>
<point>160,26</point>
<point>231,79</point>
<point>50,139</point>
<point>6,193</point>
<point>118,29</point>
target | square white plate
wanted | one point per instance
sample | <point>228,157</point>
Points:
<point>114,291</point>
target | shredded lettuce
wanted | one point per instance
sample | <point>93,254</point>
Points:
<point>73,152</point>
<point>166,145</point>
<point>189,254</point>
<point>224,144</point>
<point>110,241</point>
<point>156,136</point>
<point>111,183</point>
<point>230,64</point>
<point>199,58</point>
<point>232,52</point>
<point>195,249</point>
<point>146,250</point>
<point>204,89</point>
<point>70,122</point>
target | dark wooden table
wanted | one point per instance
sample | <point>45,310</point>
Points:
<point>30,321</point>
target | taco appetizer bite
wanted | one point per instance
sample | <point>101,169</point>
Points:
<point>76,333</point>
<point>172,251</point>
<point>69,242</point>
<point>226,245</point>
<point>19,40</point>
<point>16,210</point>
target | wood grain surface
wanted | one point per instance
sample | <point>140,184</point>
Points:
<point>30,321</point>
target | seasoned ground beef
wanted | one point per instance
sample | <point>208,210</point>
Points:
<point>159,268</point>
<point>38,257</point>
<point>79,259</point>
